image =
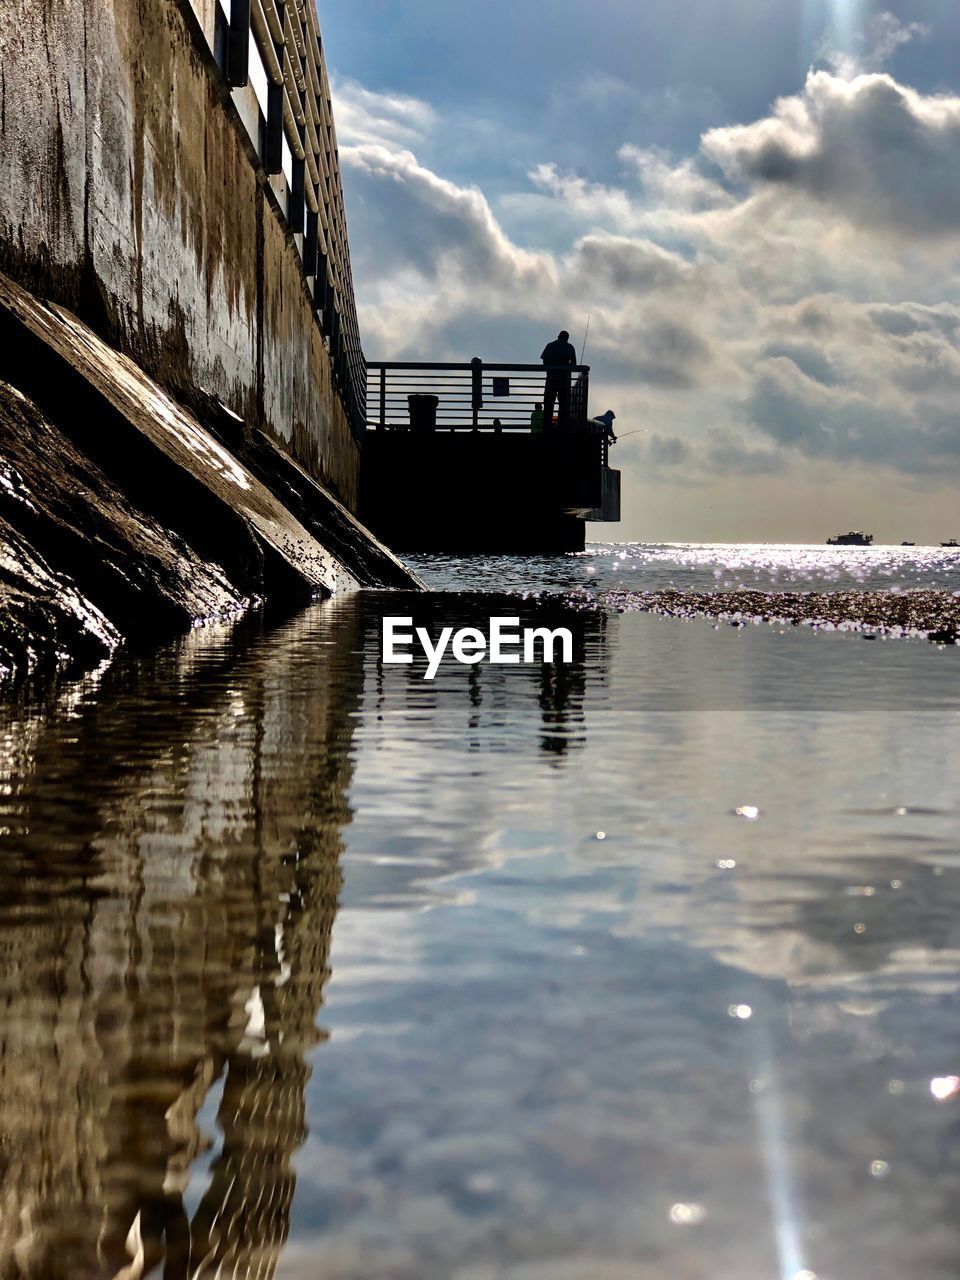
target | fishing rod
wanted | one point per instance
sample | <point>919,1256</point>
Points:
<point>631,433</point>
<point>583,345</point>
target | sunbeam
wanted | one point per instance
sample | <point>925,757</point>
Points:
<point>775,1149</point>
<point>846,20</point>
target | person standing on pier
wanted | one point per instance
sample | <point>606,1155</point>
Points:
<point>558,357</point>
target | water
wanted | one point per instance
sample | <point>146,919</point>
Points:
<point>633,566</point>
<point>647,967</point>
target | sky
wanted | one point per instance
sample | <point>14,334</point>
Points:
<point>756,202</point>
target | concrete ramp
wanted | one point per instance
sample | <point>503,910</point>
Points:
<point>137,508</point>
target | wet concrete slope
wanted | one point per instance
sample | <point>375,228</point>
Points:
<point>123,515</point>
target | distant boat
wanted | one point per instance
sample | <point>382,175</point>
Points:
<point>908,544</point>
<point>855,538</point>
<point>951,543</point>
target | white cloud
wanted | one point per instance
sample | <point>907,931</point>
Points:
<point>382,118</point>
<point>681,185</point>
<point>871,150</point>
<point>886,33</point>
<point>446,231</point>
<point>789,295</point>
<point>591,201</point>
<point>873,47</point>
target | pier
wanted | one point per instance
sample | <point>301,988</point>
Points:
<point>174,262</point>
<point>471,473</point>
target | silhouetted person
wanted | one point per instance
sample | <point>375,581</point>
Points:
<point>536,418</point>
<point>558,358</point>
<point>604,422</point>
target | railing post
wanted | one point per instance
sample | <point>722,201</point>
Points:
<point>238,44</point>
<point>383,397</point>
<point>585,379</point>
<point>476,380</point>
<point>310,242</point>
<point>295,206</point>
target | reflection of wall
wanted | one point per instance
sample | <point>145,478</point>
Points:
<point>165,917</point>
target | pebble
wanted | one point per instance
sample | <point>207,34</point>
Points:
<point>926,613</point>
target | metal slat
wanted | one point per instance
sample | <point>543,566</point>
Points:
<point>464,391</point>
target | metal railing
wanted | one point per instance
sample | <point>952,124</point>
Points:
<point>272,48</point>
<point>470,397</point>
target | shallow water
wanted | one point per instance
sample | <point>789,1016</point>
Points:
<point>644,968</point>
<point>635,566</point>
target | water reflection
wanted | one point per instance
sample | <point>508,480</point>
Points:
<point>168,883</point>
<point>170,871</point>
<point>494,693</point>
<point>640,969</point>
<point>534,1022</point>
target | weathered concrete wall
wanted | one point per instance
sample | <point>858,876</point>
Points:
<point>130,193</point>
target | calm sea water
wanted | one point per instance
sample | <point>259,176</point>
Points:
<point>646,967</point>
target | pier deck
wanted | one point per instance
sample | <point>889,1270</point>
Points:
<point>472,475</point>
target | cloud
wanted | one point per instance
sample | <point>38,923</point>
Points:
<point>873,47</point>
<point>592,201</point>
<point>729,454</point>
<point>381,118</point>
<point>870,150</point>
<point>885,34</point>
<point>657,345</point>
<point>681,185</point>
<point>878,385</point>
<point>628,265</point>
<point>446,232</point>
<point>721,452</point>
<point>667,451</point>
<point>788,295</point>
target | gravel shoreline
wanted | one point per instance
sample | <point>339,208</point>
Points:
<point>929,614</point>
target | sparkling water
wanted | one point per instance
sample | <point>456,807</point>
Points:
<point>643,967</point>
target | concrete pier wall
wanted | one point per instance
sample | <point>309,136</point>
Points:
<point>132,192</point>
<point>483,492</point>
